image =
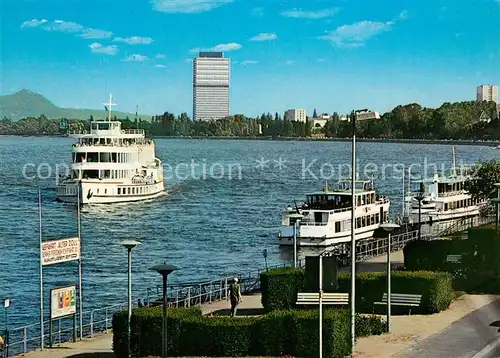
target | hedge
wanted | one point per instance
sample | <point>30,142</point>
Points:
<point>479,269</point>
<point>291,332</point>
<point>279,287</point>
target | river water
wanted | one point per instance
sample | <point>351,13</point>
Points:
<point>222,208</point>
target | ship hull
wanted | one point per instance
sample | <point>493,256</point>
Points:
<point>100,192</point>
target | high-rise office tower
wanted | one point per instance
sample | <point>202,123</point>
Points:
<point>487,93</point>
<point>210,86</point>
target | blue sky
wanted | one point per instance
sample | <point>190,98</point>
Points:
<point>330,55</point>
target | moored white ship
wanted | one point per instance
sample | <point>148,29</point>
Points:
<point>112,165</point>
<point>443,197</point>
<point>325,218</point>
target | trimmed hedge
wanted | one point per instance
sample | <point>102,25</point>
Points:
<point>281,332</point>
<point>279,287</point>
<point>479,269</point>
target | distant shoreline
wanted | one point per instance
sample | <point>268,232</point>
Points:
<point>366,140</point>
<point>309,139</point>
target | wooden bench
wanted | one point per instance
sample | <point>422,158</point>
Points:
<point>455,259</point>
<point>401,299</point>
<point>328,298</point>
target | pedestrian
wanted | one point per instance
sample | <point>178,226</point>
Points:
<point>2,344</point>
<point>234,296</point>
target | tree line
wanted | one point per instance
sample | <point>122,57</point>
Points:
<point>450,121</point>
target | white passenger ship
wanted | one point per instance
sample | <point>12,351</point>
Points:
<point>325,218</point>
<point>444,197</point>
<point>112,165</point>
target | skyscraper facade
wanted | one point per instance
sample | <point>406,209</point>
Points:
<point>211,72</point>
<point>487,93</point>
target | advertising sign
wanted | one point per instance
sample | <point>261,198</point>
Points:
<point>62,301</point>
<point>63,250</point>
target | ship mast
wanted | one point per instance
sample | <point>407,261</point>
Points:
<point>109,106</point>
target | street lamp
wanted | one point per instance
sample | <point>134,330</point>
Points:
<point>6,304</point>
<point>420,196</point>
<point>389,228</point>
<point>296,225</point>
<point>129,245</point>
<point>164,270</point>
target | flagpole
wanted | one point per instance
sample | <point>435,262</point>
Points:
<point>41,267</point>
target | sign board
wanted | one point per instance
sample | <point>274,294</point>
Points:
<point>63,250</point>
<point>62,301</point>
<point>330,271</point>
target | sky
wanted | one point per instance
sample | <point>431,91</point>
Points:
<point>329,55</point>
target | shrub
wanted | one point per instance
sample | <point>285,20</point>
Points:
<point>279,287</point>
<point>479,269</point>
<point>435,288</point>
<point>371,325</point>
<point>292,332</point>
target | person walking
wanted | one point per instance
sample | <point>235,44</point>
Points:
<point>234,296</point>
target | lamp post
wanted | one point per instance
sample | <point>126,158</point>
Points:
<point>164,270</point>
<point>420,196</point>
<point>6,304</point>
<point>296,224</point>
<point>389,228</point>
<point>129,245</point>
<point>320,258</point>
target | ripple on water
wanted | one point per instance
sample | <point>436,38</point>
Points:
<point>206,227</point>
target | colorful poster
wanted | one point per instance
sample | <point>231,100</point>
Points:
<point>62,301</point>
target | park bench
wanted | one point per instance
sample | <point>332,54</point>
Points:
<point>401,299</point>
<point>455,259</point>
<point>328,298</point>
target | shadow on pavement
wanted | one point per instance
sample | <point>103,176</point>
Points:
<point>94,355</point>
<point>239,312</point>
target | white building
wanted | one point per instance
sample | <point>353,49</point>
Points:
<point>367,114</point>
<point>296,115</point>
<point>319,122</point>
<point>211,72</point>
<point>487,93</point>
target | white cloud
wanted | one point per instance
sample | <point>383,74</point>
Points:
<point>259,11</point>
<point>160,66</point>
<point>289,62</point>
<point>264,36</point>
<point>63,26</point>
<point>187,6</point>
<point>160,56</point>
<point>96,34</point>
<point>355,35</point>
<point>318,14</point>
<point>219,48</point>
<point>96,47</point>
<point>134,40</point>
<point>249,62</point>
<point>135,58</point>
<point>33,23</point>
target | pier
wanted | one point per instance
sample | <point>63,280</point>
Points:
<point>213,294</point>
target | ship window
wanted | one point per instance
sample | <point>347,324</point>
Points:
<point>133,190</point>
<point>445,206</point>
<point>372,219</point>
<point>90,174</point>
<point>113,157</point>
<point>337,226</point>
<point>79,157</point>
<point>358,223</point>
<point>128,191</point>
<point>104,157</point>
<point>93,157</point>
<point>105,191</point>
<point>97,191</point>
<point>377,218</point>
<point>119,191</point>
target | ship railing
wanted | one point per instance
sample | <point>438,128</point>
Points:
<point>132,131</point>
<point>452,193</point>
<point>313,223</point>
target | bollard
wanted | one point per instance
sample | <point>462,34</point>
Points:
<point>25,340</point>
<point>91,323</point>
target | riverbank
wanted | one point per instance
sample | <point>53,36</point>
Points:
<point>315,139</point>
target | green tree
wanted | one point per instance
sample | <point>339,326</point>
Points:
<point>486,175</point>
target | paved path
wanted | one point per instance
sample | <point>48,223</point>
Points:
<point>96,347</point>
<point>463,338</point>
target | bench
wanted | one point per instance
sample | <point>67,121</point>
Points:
<point>328,298</point>
<point>401,299</point>
<point>455,259</point>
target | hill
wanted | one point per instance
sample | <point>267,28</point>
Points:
<point>26,103</point>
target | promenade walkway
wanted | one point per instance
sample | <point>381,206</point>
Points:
<point>461,331</point>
